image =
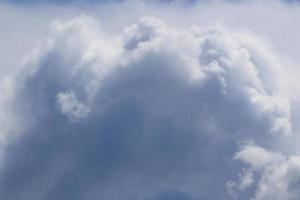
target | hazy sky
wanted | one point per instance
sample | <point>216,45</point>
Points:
<point>149,100</point>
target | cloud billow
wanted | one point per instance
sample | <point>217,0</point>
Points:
<point>151,113</point>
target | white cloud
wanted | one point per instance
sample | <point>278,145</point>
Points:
<point>161,108</point>
<point>162,105</point>
<point>258,157</point>
<point>70,105</point>
<point>278,175</point>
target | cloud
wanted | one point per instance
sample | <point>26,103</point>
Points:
<point>192,2</point>
<point>277,175</point>
<point>153,112</point>
<point>70,105</point>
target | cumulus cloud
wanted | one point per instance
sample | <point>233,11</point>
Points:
<point>277,176</point>
<point>70,105</point>
<point>153,112</point>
